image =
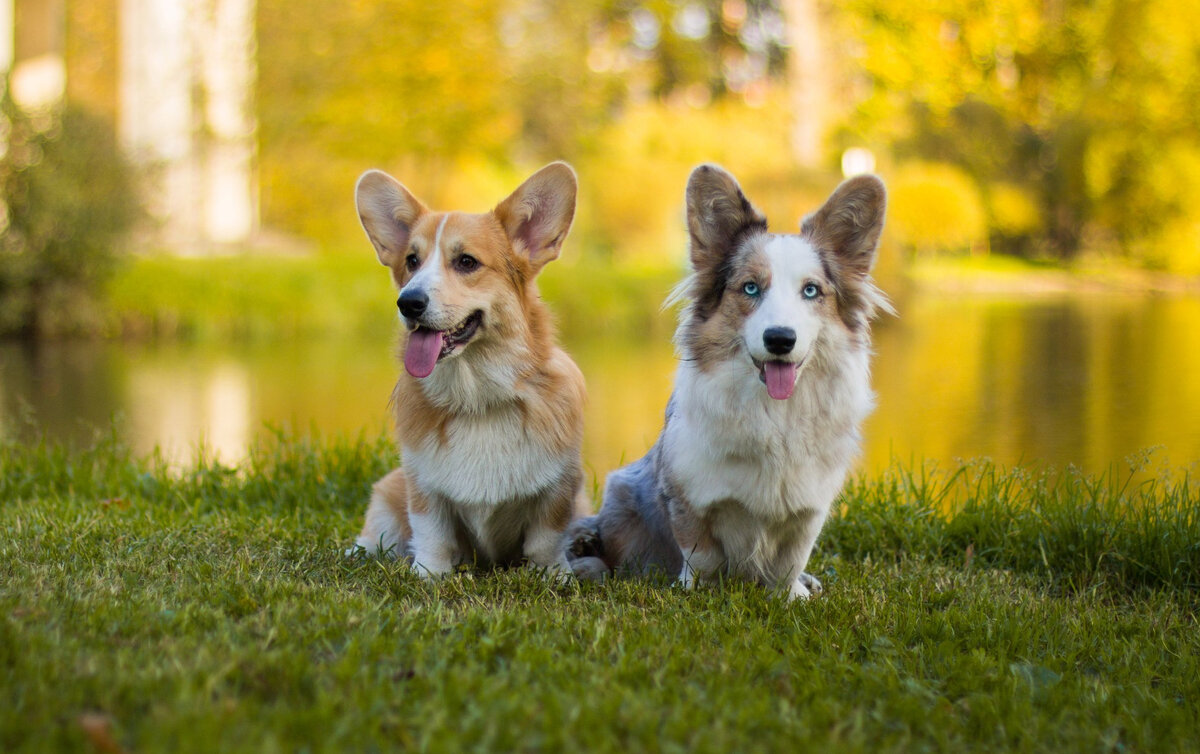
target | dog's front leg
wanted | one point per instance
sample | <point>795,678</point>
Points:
<point>544,550</point>
<point>544,546</point>
<point>434,545</point>
<point>702,556</point>
<point>803,585</point>
<point>699,563</point>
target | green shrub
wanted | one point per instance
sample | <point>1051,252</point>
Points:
<point>936,208</point>
<point>1012,211</point>
<point>67,199</point>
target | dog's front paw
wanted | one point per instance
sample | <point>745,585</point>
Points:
<point>558,572</point>
<point>431,570</point>
<point>687,577</point>
<point>805,586</point>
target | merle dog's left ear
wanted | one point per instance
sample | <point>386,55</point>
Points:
<point>717,214</point>
<point>537,216</point>
<point>849,223</point>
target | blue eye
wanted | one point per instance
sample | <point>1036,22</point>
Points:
<point>811,291</point>
<point>750,289</point>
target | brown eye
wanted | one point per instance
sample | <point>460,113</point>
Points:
<point>412,262</point>
<point>466,263</point>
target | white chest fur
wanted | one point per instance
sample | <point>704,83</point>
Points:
<point>729,441</point>
<point>486,459</point>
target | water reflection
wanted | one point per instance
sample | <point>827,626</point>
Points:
<point>1087,380</point>
<point>1084,380</point>
<point>184,397</point>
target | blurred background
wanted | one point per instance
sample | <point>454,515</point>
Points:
<point>181,256</point>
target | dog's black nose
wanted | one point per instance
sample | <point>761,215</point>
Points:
<point>779,340</point>
<point>412,304</point>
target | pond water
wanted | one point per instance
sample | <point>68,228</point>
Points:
<point>1076,379</point>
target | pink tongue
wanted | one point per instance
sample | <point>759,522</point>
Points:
<point>781,379</point>
<point>422,351</point>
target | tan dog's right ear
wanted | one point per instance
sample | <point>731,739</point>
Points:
<point>388,212</point>
<point>537,216</point>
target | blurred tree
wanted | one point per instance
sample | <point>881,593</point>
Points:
<point>391,83</point>
<point>346,86</point>
<point>1089,107</point>
<point>68,196</point>
<point>561,97</point>
<point>698,49</point>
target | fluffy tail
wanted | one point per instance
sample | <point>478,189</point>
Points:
<point>585,549</point>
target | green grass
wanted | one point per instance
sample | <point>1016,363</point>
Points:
<point>256,297</point>
<point>1000,275</point>
<point>251,297</point>
<point>210,609</point>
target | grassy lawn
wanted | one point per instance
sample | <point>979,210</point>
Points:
<point>211,610</point>
<point>998,275</point>
<point>250,297</point>
<point>263,296</point>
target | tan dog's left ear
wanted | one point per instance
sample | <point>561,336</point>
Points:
<point>537,216</point>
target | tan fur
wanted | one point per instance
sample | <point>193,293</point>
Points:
<point>393,488</point>
<point>510,374</point>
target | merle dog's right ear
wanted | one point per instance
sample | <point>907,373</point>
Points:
<point>388,212</point>
<point>718,213</point>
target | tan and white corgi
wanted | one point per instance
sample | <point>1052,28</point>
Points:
<point>772,386</point>
<point>488,411</point>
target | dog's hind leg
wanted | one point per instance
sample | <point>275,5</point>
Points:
<point>584,549</point>
<point>385,528</point>
<point>631,533</point>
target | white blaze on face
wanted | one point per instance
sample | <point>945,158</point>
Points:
<point>429,275</point>
<point>794,264</point>
<point>424,345</point>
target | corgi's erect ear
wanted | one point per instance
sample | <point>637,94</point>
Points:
<point>537,216</point>
<point>388,212</point>
<point>850,221</point>
<point>717,214</point>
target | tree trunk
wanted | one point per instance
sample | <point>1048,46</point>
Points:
<point>8,35</point>
<point>227,75</point>
<point>186,96</point>
<point>809,73</point>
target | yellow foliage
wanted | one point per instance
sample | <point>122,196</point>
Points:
<point>1177,248</point>
<point>634,180</point>
<point>632,183</point>
<point>1013,211</point>
<point>936,208</point>
<point>1176,178</point>
<point>473,184</point>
